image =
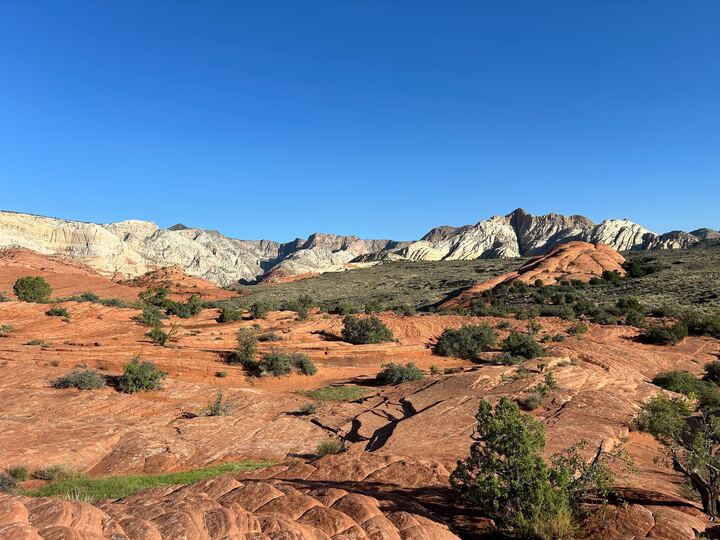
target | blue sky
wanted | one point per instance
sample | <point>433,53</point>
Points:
<point>373,117</point>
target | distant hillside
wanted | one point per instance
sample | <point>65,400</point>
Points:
<point>131,248</point>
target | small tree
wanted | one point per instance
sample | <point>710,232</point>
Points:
<point>665,335</point>
<point>507,479</point>
<point>217,406</point>
<point>303,364</point>
<point>138,375</point>
<point>523,345</point>
<point>466,342</point>
<point>32,289</point>
<point>246,346</point>
<point>259,310</point>
<point>358,330</point>
<point>397,373</point>
<point>276,364</point>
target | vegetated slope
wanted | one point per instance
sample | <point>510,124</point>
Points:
<point>688,277</point>
<point>572,261</point>
<point>134,247</point>
<point>66,276</point>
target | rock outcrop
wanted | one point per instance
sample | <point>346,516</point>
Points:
<point>574,260</point>
<point>131,248</point>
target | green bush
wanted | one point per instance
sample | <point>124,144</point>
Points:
<point>5,330</point>
<point>301,305</point>
<point>373,306</point>
<point>405,310</point>
<point>393,374</point>
<point>306,410</point>
<point>579,329</point>
<point>627,304</point>
<point>466,342</point>
<point>158,336</point>
<point>87,379</point>
<point>217,406</point>
<point>259,310</point>
<point>269,336</point>
<point>507,480</point>
<point>151,316</point>
<point>507,359</point>
<point>303,364</point>
<point>56,311</point>
<point>276,364</point>
<point>665,335</point>
<point>19,473</point>
<point>7,483</point>
<point>344,308</point>
<point>634,318</point>
<point>712,371</point>
<point>246,340</point>
<point>184,310</point>
<point>32,289</point>
<point>682,382</point>
<point>229,315</point>
<point>530,402</point>
<point>611,276</point>
<point>328,447</point>
<point>522,345</point>
<point>359,331</point>
<point>221,374</point>
<point>700,324</point>
<point>53,473</point>
<point>138,376</point>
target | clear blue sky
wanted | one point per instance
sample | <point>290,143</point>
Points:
<point>383,118</point>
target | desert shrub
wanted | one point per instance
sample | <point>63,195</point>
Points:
<point>217,406</point>
<point>246,340</point>
<point>89,297</point>
<point>344,308</point>
<point>530,402</point>
<point>228,314</point>
<point>712,371</point>
<point>339,393</point>
<point>558,338</point>
<point>503,325</point>
<point>269,336</point>
<point>636,268</point>
<point>19,473</point>
<point>634,318</point>
<point>393,374</point>
<point>32,289</point>
<point>522,345</point>
<point>151,316</point>
<point>154,296</point>
<point>306,410</point>
<point>564,312</point>
<point>140,375</point>
<point>682,382</point>
<point>373,306</point>
<point>53,473</point>
<point>578,330</point>
<point>359,331</point>
<point>328,447</point>
<point>507,359</point>
<point>87,379</point>
<point>405,310</point>
<point>259,310</point>
<point>539,283</point>
<point>276,364</point>
<point>184,310</point>
<point>221,374</point>
<point>7,483</point>
<point>435,370</point>
<point>5,330</point>
<point>466,342</point>
<point>627,304</point>
<point>301,305</point>
<point>507,480</point>
<point>611,276</point>
<point>481,309</point>
<point>665,335</point>
<point>303,364</point>
<point>700,324</point>
<point>4,297</point>
<point>56,311</point>
<point>158,336</point>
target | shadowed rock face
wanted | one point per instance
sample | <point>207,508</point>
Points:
<point>134,247</point>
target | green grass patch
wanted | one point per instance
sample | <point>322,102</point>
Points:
<point>338,393</point>
<point>80,486</point>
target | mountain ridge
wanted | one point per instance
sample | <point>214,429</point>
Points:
<point>132,247</point>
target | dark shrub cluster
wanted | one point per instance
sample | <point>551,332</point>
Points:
<point>665,335</point>
<point>140,375</point>
<point>522,345</point>
<point>32,289</point>
<point>86,379</point>
<point>228,314</point>
<point>393,374</point>
<point>466,342</point>
<point>358,331</point>
<point>57,311</point>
